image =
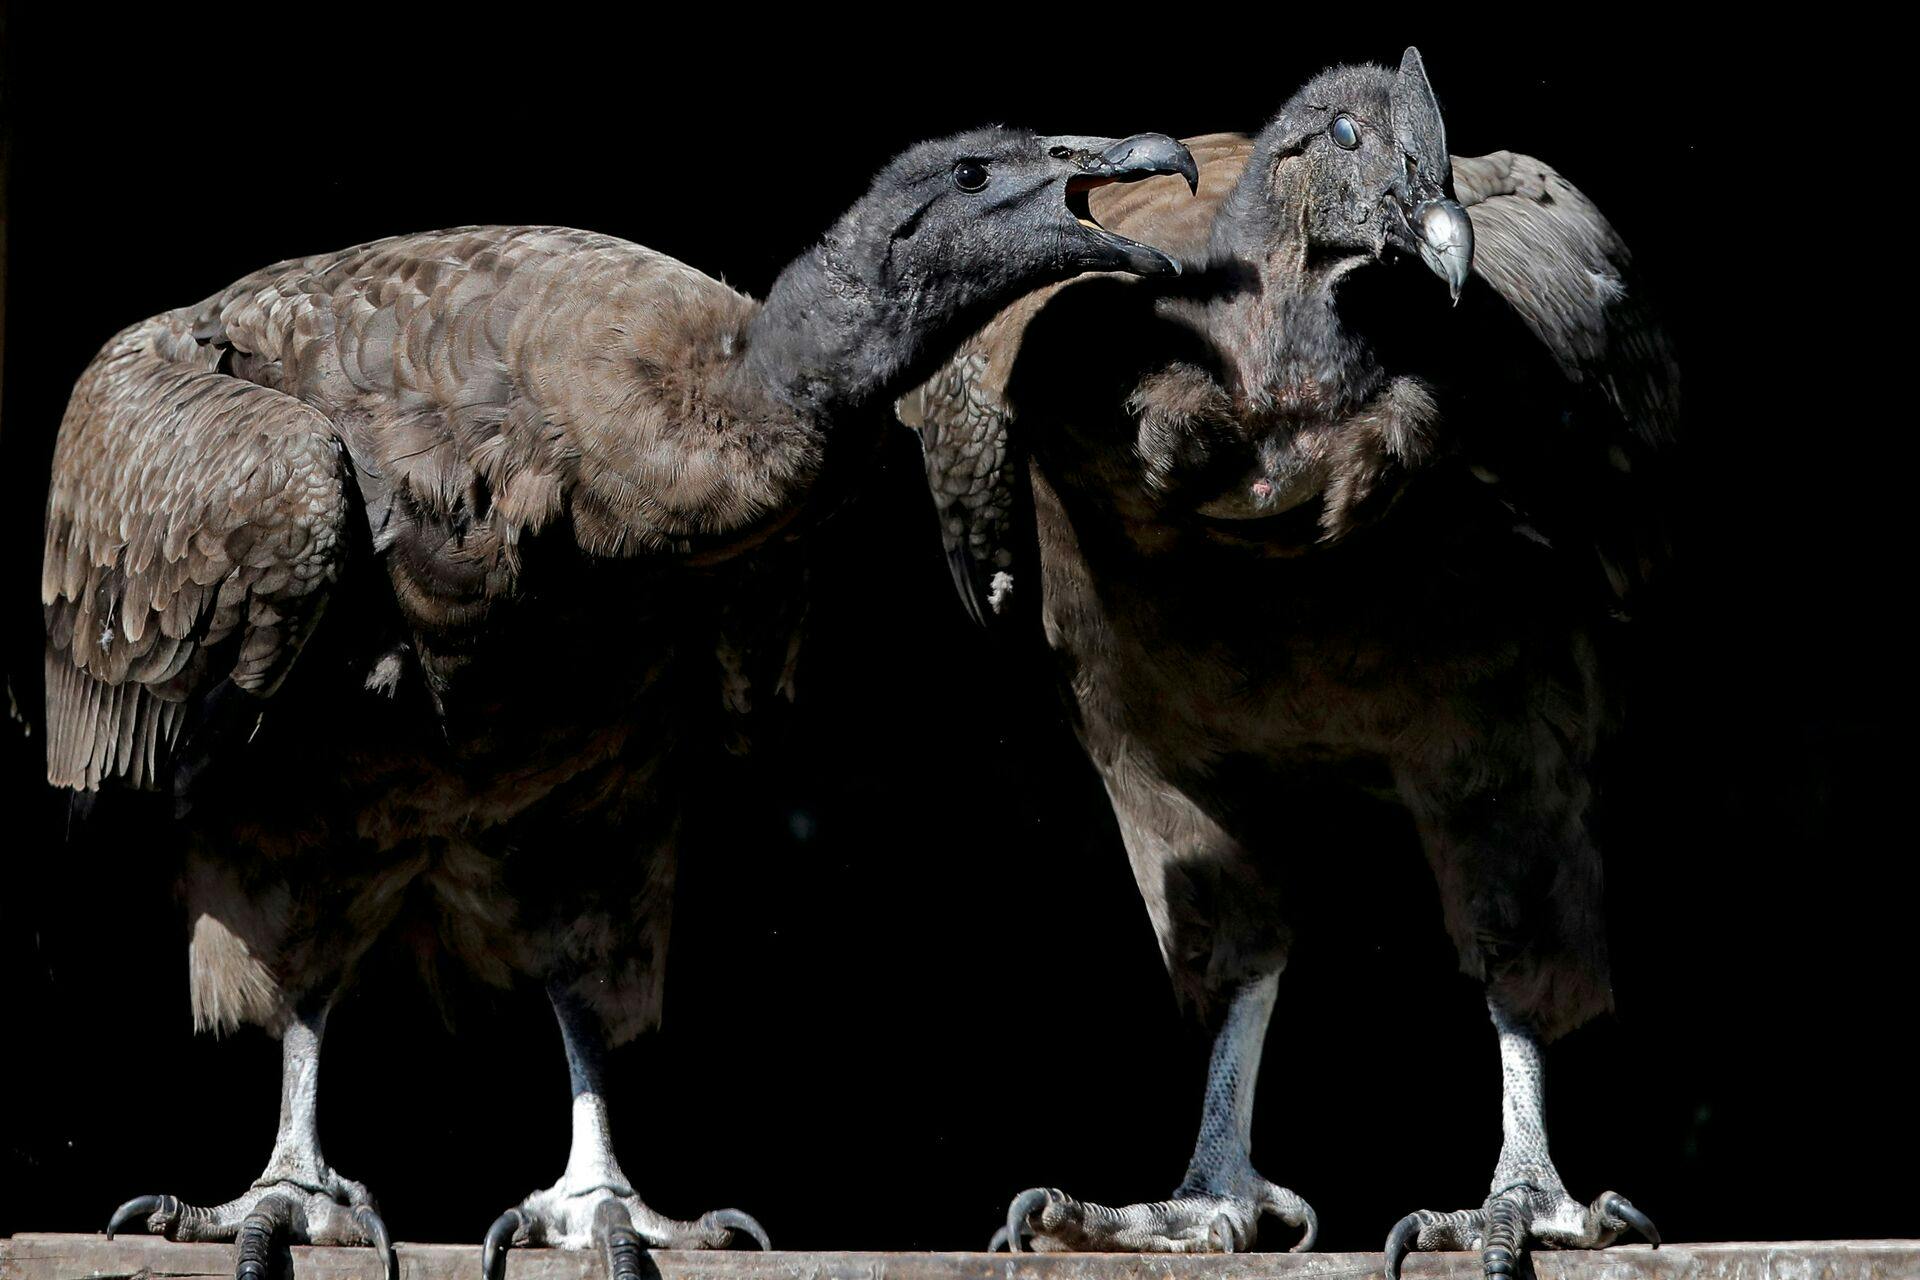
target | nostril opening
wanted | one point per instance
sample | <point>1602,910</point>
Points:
<point>1060,153</point>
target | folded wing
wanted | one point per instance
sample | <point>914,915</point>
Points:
<point>194,525</point>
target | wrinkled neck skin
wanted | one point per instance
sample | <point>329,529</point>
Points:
<point>835,336</point>
<point>1283,331</point>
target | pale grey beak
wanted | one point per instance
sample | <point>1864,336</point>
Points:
<point>1445,234</point>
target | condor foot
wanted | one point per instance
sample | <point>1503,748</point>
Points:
<point>1513,1218</point>
<point>268,1218</point>
<point>612,1219</point>
<point>1051,1221</point>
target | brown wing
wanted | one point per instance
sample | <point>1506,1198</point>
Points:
<point>1560,267</point>
<point>961,413</point>
<point>1550,253</point>
<point>194,524</point>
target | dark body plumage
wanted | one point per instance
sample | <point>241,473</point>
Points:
<point>1301,524</point>
<point>425,573</point>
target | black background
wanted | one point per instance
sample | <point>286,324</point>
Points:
<point>910,973</point>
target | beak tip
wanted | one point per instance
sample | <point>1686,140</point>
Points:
<point>1445,236</point>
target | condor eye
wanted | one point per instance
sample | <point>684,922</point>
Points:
<point>1343,132</point>
<point>969,175</point>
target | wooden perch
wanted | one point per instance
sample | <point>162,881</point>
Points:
<point>68,1257</point>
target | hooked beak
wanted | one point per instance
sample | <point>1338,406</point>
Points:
<point>1437,225</point>
<point>1096,162</point>
<point>1445,235</point>
<point>1144,155</point>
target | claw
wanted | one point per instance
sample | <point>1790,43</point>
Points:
<point>1400,1243</point>
<point>1425,1229</point>
<point>139,1207</point>
<point>1024,1206</point>
<point>1220,1234</point>
<point>369,1219</point>
<point>614,1225</point>
<point>1305,1218</point>
<point>493,1253</point>
<point>1618,1206</point>
<point>260,1231</point>
<point>735,1220</point>
<point>999,1240</point>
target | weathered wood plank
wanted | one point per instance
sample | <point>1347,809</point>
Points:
<point>65,1257</point>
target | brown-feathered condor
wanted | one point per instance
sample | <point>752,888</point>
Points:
<point>422,571</point>
<point>1300,516</point>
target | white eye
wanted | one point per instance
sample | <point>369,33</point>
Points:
<point>1344,133</point>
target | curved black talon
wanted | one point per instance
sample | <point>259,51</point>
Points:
<point>1618,1206</point>
<point>1400,1243</point>
<point>735,1220</point>
<point>1312,1231</point>
<point>614,1225</point>
<point>263,1228</point>
<point>140,1207</point>
<point>369,1219</point>
<point>493,1253</point>
<point>1023,1207</point>
<point>1426,1229</point>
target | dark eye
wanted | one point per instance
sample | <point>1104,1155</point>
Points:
<point>1343,132</point>
<point>969,175</point>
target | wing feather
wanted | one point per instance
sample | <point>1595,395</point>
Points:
<point>1596,474</point>
<point>1556,260</point>
<point>194,525</point>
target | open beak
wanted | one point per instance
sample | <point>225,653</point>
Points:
<point>1445,235</point>
<point>1096,162</point>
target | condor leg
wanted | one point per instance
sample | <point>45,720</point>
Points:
<point>298,1199</point>
<point>1521,889</point>
<point>593,1205</point>
<point>1220,926</point>
<point>1528,1203</point>
<point>1219,1203</point>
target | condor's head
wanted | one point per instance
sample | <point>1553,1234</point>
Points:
<point>1353,168</point>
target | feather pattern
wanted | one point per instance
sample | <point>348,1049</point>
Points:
<point>193,528</point>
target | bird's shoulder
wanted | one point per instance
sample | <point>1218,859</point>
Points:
<point>542,373</point>
<point>460,319</point>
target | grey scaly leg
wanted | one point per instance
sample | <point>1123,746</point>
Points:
<point>593,1203</point>
<point>1219,1203</point>
<point>297,1198</point>
<point>1527,1201</point>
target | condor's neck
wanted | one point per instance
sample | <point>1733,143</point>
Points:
<point>1281,323</point>
<point>830,340</point>
<point>1285,333</point>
